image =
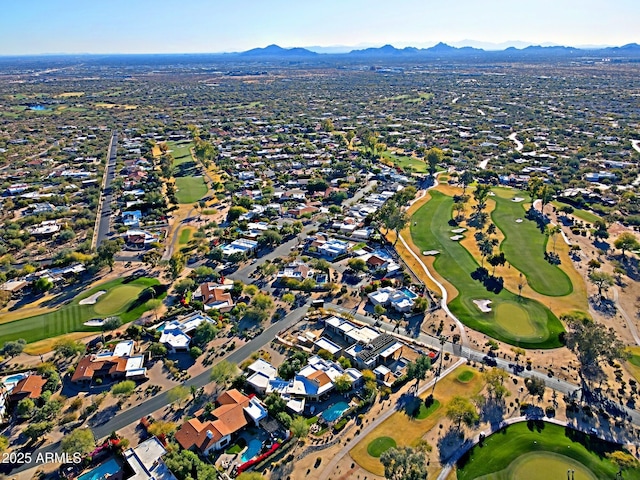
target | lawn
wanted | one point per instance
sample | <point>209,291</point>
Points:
<point>418,165</point>
<point>380,445</point>
<point>185,236</point>
<point>523,322</point>
<point>524,245</point>
<point>633,364</point>
<point>585,215</point>
<point>190,184</point>
<point>120,299</point>
<point>539,450</point>
<point>408,431</point>
<point>466,376</point>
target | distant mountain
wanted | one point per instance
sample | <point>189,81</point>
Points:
<point>386,51</point>
<point>277,51</point>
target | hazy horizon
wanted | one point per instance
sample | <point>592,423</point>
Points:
<point>202,26</point>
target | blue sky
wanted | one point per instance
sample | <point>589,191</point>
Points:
<point>145,26</point>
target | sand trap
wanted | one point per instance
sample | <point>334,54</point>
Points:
<point>517,199</point>
<point>491,194</point>
<point>430,253</point>
<point>483,305</point>
<point>458,230</point>
<point>92,299</point>
<point>96,322</point>
<point>518,220</point>
<point>455,238</point>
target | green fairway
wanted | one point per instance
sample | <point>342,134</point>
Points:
<point>535,326</point>
<point>418,165</point>
<point>190,184</point>
<point>185,236</point>
<point>380,445</point>
<point>524,245</point>
<point>120,299</point>
<point>540,451</point>
<point>190,189</point>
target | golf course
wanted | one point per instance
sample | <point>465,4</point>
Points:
<point>540,451</point>
<point>509,317</point>
<point>524,236</point>
<point>190,184</point>
<point>122,297</point>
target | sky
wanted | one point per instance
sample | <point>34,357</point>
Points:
<point>181,26</point>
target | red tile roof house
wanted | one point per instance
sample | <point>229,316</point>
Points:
<point>215,297</point>
<point>28,387</point>
<point>235,412</point>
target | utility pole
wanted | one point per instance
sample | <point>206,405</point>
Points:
<point>443,340</point>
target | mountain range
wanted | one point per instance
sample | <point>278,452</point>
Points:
<point>443,50</point>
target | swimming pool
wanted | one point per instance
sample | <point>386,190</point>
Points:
<point>335,411</point>
<point>107,469</point>
<point>14,378</point>
<point>253,448</point>
<point>408,292</point>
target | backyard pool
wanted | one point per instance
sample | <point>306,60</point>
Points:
<point>335,411</point>
<point>253,448</point>
<point>104,470</point>
<point>11,380</point>
<point>408,293</point>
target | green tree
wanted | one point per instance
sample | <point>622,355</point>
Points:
<point>357,264</point>
<point>111,323</point>
<point>25,408</point>
<point>495,378</point>
<point>434,157</point>
<point>250,476</point>
<point>275,404</point>
<point>4,443</point>
<point>552,232</point>
<point>235,213</point>
<point>222,372</point>
<point>80,440</point>
<point>602,280</point>
<point>626,241</point>
<point>13,348</point>
<point>160,427</point>
<point>299,427</point>
<point>342,383</point>
<point>43,285</point>
<point>288,298</point>
<point>37,430</point>
<point>418,370</point>
<point>461,410</point>
<point>204,333</point>
<point>594,344</point>
<point>466,179</point>
<point>158,350</point>
<point>379,310</point>
<point>270,238</point>
<point>535,386</point>
<point>107,251</point>
<point>404,463</point>
<point>177,263</point>
<point>123,389</point>
<point>178,394</point>
<point>184,286</point>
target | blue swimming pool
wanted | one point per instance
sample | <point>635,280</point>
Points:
<point>253,449</point>
<point>408,293</point>
<point>13,378</point>
<point>335,411</point>
<point>107,469</point>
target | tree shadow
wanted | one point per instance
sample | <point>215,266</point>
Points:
<point>451,443</point>
<point>493,411</point>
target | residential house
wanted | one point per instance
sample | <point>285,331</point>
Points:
<point>145,461</point>
<point>176,335</point>
<point>235,411</point>
<point>29,387</point>
<point>119,363</point>
<point>215,297</point>
<point>296,270</point>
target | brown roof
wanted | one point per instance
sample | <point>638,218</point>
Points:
<point>374,260</point>
<point>229,418</point>
<point>211,293</point>
<point>320,377</point>
<point>29,387</point>
<point>85,369</point>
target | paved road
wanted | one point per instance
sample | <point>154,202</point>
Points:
<point>557,384</point>
<point>104,207</point>
<point>147,407</point>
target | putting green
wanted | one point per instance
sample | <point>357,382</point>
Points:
<point>515,320</point>
<point>535,326</point>
<point>466,376</point>
<point>116,299</point>
<point>380,445</point>
<point>541,466</point>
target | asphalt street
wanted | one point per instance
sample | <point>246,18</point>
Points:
<point>104,207</point>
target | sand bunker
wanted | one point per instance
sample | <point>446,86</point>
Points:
<point>96,322</point>
<point>429,253</point>
<point>458,230</point>
<point>92,299</point>
<point>517,199</point>
<point>455,238</point>
<point>518,220</point>
<point>483,305</point>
